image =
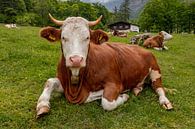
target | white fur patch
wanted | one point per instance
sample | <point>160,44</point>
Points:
<point>107,105</point>
<point>162,98</point>
<point>50,85</point>
<point>166,48</point>
<point>166,35</point>
<point>157,48</point>
<point>75,71</point>
<point>94,96</point>
<point>154,74</point>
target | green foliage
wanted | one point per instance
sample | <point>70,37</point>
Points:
<point>27,19</point>
<point>124,11</point>
<point>35,12</point>
<point>3,17</point>
<point>27,61</point>
<point>168,15</point>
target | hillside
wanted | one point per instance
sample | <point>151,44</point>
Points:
<point>136,5</point>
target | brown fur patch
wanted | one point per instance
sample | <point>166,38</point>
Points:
<point>98,36</point>
<point>50,33</point>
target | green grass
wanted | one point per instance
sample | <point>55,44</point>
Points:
<point>27,61</point>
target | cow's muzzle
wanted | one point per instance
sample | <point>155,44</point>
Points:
<point>76,61</point>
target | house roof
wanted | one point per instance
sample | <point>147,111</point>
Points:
<point>120,22</point>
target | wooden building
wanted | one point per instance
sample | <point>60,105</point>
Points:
<point>124,26</point>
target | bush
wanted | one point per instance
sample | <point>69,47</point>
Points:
<point>27,19</point>
<point>2,18</point>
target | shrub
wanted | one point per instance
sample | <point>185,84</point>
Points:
<point>27,19</point>
<point>2,18</point>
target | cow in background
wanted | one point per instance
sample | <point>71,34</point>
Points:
<point>11,26</point>
<point>140,38</point>
<point>158,42</point>
<point>88,71</point>
<point>119,34</point>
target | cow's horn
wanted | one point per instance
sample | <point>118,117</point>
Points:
<point>93,23</point>
<point>57,22</point>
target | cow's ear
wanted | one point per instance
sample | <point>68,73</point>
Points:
<point>98,36</point>
<point>51,34</point>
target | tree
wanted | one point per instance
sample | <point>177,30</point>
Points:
<point>168,15</point>
<point>124,11</point>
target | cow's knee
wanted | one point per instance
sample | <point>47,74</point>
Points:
<point>111,105</point>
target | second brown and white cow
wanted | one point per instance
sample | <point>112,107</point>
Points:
<point>119,34</point>
<point>158,42</point>
<point>88,71</point>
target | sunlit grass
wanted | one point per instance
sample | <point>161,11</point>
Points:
<point>27,61</point>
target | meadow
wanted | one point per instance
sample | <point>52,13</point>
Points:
<point>27,61</point>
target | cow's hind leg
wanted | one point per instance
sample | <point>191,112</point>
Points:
<point>43,105</point>
<point>155,77</point>
<point>139,86</point>
<point>112,98</point>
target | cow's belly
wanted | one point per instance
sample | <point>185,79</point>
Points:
<point>135,81</point>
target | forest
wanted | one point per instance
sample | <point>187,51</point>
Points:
<point>169,15</point>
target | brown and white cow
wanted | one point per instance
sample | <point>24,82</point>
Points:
<point>119,34</point>
<point>140,38</point>
<point>158,42</point>
<point>88,71</point>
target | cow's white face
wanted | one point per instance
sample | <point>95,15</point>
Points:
<point>75,38</point>
<point>166,35</point>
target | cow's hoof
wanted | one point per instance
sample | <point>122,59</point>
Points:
<point>167,106</point>
<point>42,112</point>
<point>136,91</point>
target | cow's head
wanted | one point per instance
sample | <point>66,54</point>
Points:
<point>166,35</point>
<point>75,38</point>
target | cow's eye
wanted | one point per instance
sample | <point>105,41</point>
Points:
<point>64,39</point>
<point>87,38</point>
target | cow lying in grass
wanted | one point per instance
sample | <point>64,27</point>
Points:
<point>11,26</point>
<point>119,34</point>
<point>158,42</point>
<point>147,40</point>
<point>88,71</point>
<point>140,38</point>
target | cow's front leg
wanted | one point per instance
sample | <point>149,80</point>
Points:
<point>43,104</point>
<point>157,86</point>
<point>158,48</point>
<point>163,99</point>
<point>112,98</point>
<point>165,47</point>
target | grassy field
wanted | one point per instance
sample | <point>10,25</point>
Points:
<point>27,61</point>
